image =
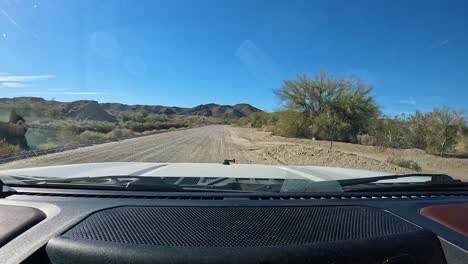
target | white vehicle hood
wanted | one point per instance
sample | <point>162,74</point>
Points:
<point>313,173</point>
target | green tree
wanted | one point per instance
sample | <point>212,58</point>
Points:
<point>306,95</point>
<point>435,132</point>
<point>330,124</point>
<point>443,126</point>
<point>391,132</point>
<point>356,109</point>
<point>259,119</point>
<point>417,128</point>
<point>336,108</point>
<point>291,123</point>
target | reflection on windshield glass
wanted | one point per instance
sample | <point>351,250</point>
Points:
<point>378,87</point>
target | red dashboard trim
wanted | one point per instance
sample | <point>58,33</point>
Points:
<point>453,216</point>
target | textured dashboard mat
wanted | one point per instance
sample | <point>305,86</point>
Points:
<point>237,226</point>
<point>14,220</point>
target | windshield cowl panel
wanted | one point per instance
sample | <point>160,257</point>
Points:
<point>254,178</point>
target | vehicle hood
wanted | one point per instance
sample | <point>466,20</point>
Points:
<point>313,173</point>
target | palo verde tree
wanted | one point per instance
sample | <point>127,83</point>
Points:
<point>337,108</point>
<point>443,125</point>
<point>436,132</point>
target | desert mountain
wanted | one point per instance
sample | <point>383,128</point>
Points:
<point>92,110</point>
<point>35,107</point>
<point>208,110</point>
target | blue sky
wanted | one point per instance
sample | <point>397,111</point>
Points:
<point>185,53</point>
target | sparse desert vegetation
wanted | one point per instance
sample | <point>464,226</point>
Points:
<point>342,109</point>
<point>325,121</point>
<point>409,164</point>
<point>52,124</point>
<point>7,149</point>
<point>251,146</point>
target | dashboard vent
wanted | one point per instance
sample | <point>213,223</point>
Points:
<point>348,197</point>
<point>190,197</point>
<point>221,196</point>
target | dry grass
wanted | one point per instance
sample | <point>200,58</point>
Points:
<point>49,145</point>
<point>7,149</point>
<point>115,133</point>
<point>409,164</point>
<point>119,132</point>
<point>91,136</point>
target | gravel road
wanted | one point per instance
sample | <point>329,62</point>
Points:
<point>213,144</point>
<point>204,144</point>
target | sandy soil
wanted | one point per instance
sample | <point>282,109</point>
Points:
<point>246,145</point>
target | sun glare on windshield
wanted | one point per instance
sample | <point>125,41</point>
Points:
<point>320,90</point>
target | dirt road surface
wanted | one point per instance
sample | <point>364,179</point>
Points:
<point>213,144</point>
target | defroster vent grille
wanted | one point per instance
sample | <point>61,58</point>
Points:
<point>237,226</point>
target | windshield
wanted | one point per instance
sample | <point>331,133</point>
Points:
<point>251,94</point>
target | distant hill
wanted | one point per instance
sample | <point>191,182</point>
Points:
<point>35,107</point>
<point>221,111</point>
<point>88,110</point>
<point>92,110</point>
<point>208,110</point>
<point>115,108</point>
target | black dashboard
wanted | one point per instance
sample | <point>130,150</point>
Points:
<point>69,226</point>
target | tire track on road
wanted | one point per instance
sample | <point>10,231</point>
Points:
<point>204,144</point>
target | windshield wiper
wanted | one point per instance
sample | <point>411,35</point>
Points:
<point>437,182</point>
<point>127,183</point>
<point>157,184</point>
<point>434,178</point>
<point>132,183</point>
<point>413,187</point>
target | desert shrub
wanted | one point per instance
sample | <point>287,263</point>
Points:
<point>98,126</point>
<point>409,164</point>
<point>153,118</point>
<point>465,142</point>
<point>119,132</point>
<point>435,132</point>
<point>260,119</point>
<point>343,109</point>
<point>80,126</point>
<point>91,136</point>
<point>367,140</point>
<point>391,133</point>
<point>41,136</point>
<point>47,113</point>
<point>290,123</point>
<point>141,127</point>
<point>145,133</point>
<point>243,121</point>
<point>268,128</point>
<point>49,145</point>
<point>7,149</point>
<point>443,126</point>
<point>141,117</point>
